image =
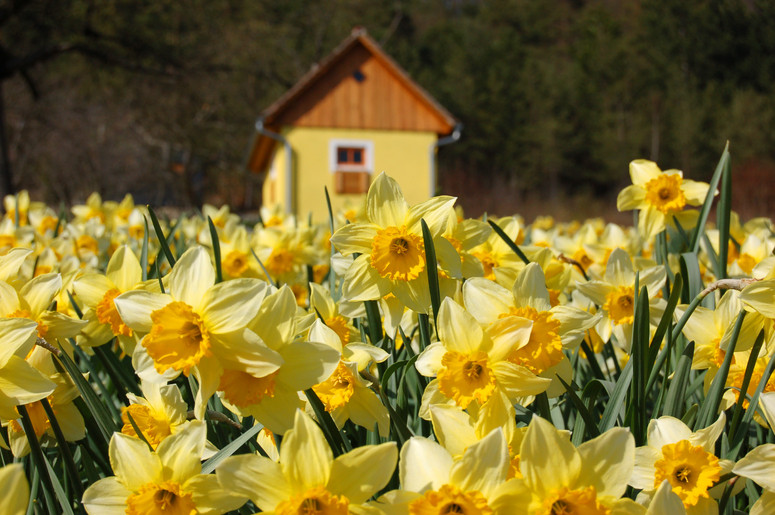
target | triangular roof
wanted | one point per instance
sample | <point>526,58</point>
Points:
<point>323,82</point>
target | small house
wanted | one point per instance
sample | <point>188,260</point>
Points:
<point>352,116</point>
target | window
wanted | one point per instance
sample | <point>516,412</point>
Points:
<point>351,163</point>
<point>350,156</point>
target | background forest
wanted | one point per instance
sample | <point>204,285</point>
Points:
<point>158,98</point>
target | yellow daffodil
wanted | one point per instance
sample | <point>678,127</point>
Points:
<point>391,246</point>
<point>273,398</point>
<point>554,329</point>
<point>160,413</point>
<point>308,480</point>
<point>20,382</point>
<point>433,483</point>
<point>615,294</point>
<point>198,326</point>
<point>98,292</point>
<point>684,458</point>
<point>67,416</point>
<point>471,364</point>
<point>16,489</point>
<point>659,195</point>
<point>495,254</point>
<point>711,330</point>
<point>168,480</point>
<point>560,478</point>
<point>758,466</point>
<point>345,394</point>
<point>33,301</point>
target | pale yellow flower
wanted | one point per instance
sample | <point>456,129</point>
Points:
<point>659,195</point>
<point>168,480</point>
<point>308,479</point>
<point>16,490</point>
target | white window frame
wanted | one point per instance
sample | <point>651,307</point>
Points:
<point>366,145</point>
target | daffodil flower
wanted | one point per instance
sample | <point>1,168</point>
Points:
<point>98,291</point>
<point>615,294</point>
<point>391,246</point>
<point>560,478</point>
<point>684,458</point>
<point>20,382</point>
<point>659,195</point>
<point>274,398</point>
<point>345,394</point>
<point>471,364</point>
<point>68,417</point>
<point>432,482</point>
<point>758,466</point>
<point>160,413</point>
<point>168,480</point>
<point>554,329</point>
<point>16,494</point>
<point>308,479</point>
<point>199,327</point>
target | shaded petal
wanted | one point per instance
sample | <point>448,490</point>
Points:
<point>548,460</point>
<point>453,429</point>
<point>364,471</point>
<point>650,222</point>
<point>212,498</point>
<point>631,197</point>
<point>106,496</point>
<point>363,282</point>
<point>486,300</point>
<point>181,452</point>
<point>277,412</point>
<point>435,211</point>
<point>666,430</point>
<point>208,373</point>
<point>17,490</point>
<point>133,462</point>
<point>124,269</point>
<point>483,465</point>
<point>530,288</point>
<point>607,461</point>
<point>23,383</point>
<point>230,305</point>
<point>256,477</point>
<point>18,336</point>
<point>457,329</point>
<point>192,275</point>
<point>643,473</point>
<point>429,361</point>
<point>307,364</point>
<point>758,465</point>
<point>518,381</point>
<point>91,288</point>
<point>665,501</point>
<point>135,308</point>
<point>424,465</point>
<point>507,334</point>
<point>385,204</point>
<point>695,192</point>
<point>366,409</point>
<point>353,238</point>
<point>40,292</point>
<point>305,457</point>
<point>643,170</point>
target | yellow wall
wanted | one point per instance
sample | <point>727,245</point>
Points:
<point>403,155</point>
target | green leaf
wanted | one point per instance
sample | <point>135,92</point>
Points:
<point>749,369</point>
<point>101,414</point>
<point>374,320</point>
<point>38,458</point>
<point>61,496</point>
<point>705,210</point>
<point>216,251</point>
<point>209,465</point>
<point>723,214</point>
<point>513,246</point>
<point>144,251</point>
<point>431,267</point>
<point>263,268</point>
<point>616,399</point>
<point>64,449</point>
<point>674,403</point>
<point>690,270</point>
<point>590,422</point>
<point>162,239</point>
<point>331,273</point>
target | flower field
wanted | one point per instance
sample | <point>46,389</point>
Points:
<point>393,359</point>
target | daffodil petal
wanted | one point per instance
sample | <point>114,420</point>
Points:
<point>458,330</point>
<point>608,460</point>
<point>181,453</point>
<point>424,465</point>
<point>258,478</point>
<point>362,472</point>
<point>192,275</point>
<point>548,460</point>
<point>133,462</point>
<point>106,496</point>
<point>385,204</point>
<point>135,308</point>
<point>305,457</point>
<point>124,269</point>
<point>40,292</point>
<point>483,465</point>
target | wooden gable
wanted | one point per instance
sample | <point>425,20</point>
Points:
<point>357,87</point>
